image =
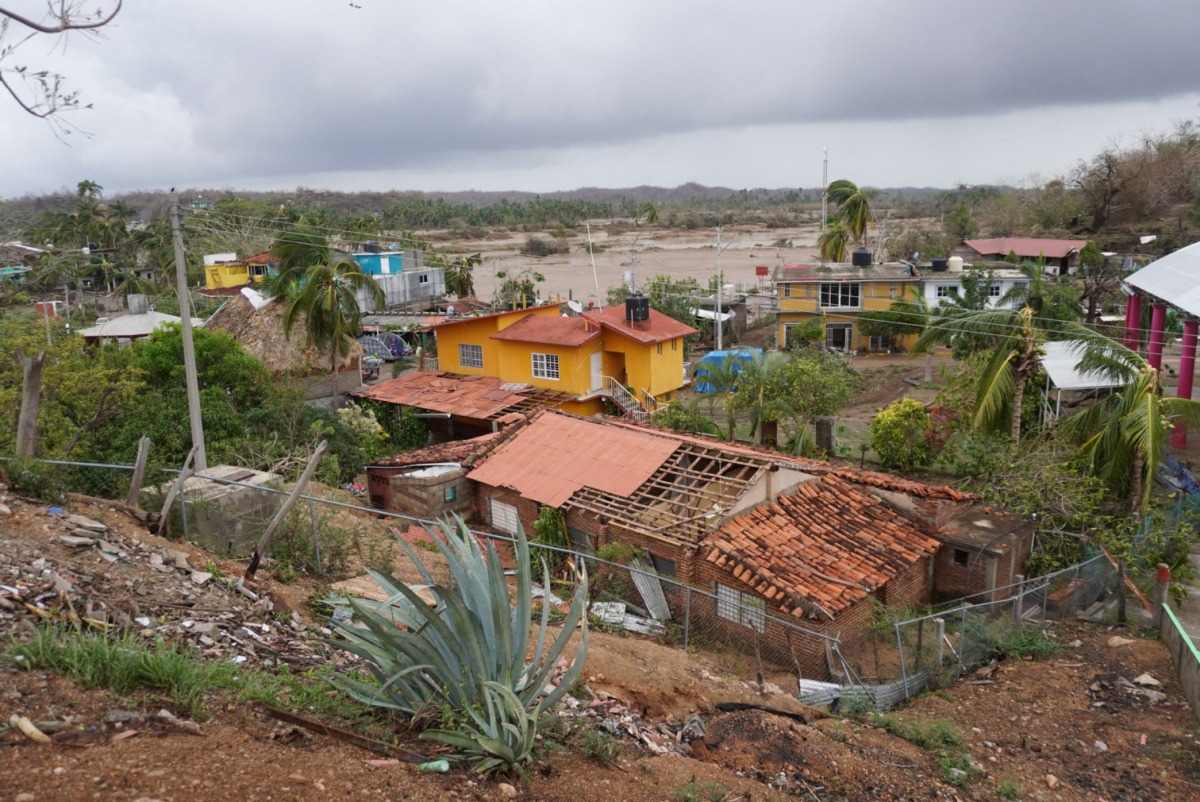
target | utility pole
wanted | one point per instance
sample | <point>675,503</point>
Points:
<point>720,281</point>
<point>824,189</point>
<point>189,350</point>
<point>592,253</point>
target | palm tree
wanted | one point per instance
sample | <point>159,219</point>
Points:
<point>89,189</point>
<point>301,247</point>
<point>834,241</point>
<point>651,211</point>
<point>1050,301</point>
<point>460,280</point>
<point>1015,335</point>
<point>326,298</point>
<point>853,207</point>
<point>758,393</point>
<point>1123,436</point>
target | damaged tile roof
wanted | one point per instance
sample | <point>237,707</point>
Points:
<point>659,328</point>
<point>546,330</point>
<point>478,397</point>
<point>557,455</point>
<point>462,452</point>
<point>820,549</point>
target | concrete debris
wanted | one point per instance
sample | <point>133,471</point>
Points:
<point>1100,746</point>
<point>120,582</point>
<point>1117,641</point>
<point>81,522</point>
<point>1147,681</point>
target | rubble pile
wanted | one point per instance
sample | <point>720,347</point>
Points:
<point>87,574</point>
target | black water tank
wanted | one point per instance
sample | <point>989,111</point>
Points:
<point>861,257</point>
<point>637,308</point>
<point>938,264</point>
<point>371,246</point>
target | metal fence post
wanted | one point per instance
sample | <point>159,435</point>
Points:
<point>312,516</point>
<point>939,632</point>
<point>687,615</point>
<point>903,668</point>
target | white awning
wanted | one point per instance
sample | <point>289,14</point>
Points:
<point>1060,363</point>
<point>1174,279</point>
<point>707,315</point>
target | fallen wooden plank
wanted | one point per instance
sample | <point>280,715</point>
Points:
<point>379,747</point>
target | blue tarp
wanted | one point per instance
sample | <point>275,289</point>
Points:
<point>717,357</point>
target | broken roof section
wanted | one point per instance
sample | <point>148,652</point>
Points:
<point>474,397</point>
<point>820,549</point>
<point>458,452</point>
<point>559,455</point>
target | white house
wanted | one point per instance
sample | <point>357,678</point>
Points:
<point>939,286</point>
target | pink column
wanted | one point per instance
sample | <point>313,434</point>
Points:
<point>1187,367</point>
<point>1158,322</point>
<point>1133,322</point>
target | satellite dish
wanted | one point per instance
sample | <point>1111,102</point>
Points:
<point>575,306</point>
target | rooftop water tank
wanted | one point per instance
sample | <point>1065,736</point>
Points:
<point>370,246</point>
<point>938,264</point>
<point>637,308</point>
<point>956,264</point>
<point>861,257</point>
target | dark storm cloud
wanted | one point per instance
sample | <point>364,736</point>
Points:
<point>301,87</point>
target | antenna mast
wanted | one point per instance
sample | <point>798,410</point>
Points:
<point>824,189</point>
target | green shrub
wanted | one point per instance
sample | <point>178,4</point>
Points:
<point>600,747</point>
<point>900,435</point>
<point>36,479</point>
<point>696,791</point>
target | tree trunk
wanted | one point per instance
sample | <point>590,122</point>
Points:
<point>1018,398</point>
<point>31,397</point>
<point>1135,483</point>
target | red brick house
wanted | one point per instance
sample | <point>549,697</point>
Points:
<point>813,542</point>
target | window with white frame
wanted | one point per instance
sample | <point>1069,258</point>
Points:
<point>994,291</point>
<point>741,608</point>
<point>787,290</point>
<point>470,356</point>
<point>837,295</point>
<point>423,278</point>
<point>545,366</point>
<point>947,291</point>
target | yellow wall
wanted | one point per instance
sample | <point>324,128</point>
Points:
<point>636,364</point>
<point>219,277</point>
<point>803,303</point>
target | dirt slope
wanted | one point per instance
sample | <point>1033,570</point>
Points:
<point>1063,729</point>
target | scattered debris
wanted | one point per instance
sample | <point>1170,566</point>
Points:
<point>1145,680</point>
<point>28,729</point>
<point>1117,641</point>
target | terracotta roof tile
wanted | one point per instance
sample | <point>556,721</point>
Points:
<point>822,548</point>
<point>464,452</point>
<point>659,328</point>
<point>547,330</point>
<point>478,397</point>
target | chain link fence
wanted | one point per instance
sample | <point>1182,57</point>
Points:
<point>329,534</point>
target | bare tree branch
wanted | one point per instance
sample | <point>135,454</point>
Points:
<point>66,15</point>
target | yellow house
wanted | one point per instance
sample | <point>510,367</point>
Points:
<point>602,354</point>
<point>227,273</point>
<point>837,294</point>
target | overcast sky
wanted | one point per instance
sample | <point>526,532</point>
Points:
<point>561,94</point>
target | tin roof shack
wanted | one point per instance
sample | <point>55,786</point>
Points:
<point>226,517</point>
<point>430,482</point>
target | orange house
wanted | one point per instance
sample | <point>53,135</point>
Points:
<point>631,354</point>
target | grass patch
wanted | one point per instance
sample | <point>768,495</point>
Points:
<point>1008,789</point>
<point>600,747</point>
<point>701,792</point>
<point>939,737</point>
<point>126,664</point>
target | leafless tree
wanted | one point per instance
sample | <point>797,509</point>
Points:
<point>42,93</point>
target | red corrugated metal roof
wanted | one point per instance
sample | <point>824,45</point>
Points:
<point>822,548</point>
<point>1029,247</point>
<point>469,396</point>
<point>556,455</point>
<point>658,328</point>
<point>546,330</point>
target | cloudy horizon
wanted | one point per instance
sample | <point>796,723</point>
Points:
<point>542,96</point>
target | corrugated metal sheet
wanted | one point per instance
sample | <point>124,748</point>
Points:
<point>556,455</point>
<point>646,579</point>
<point>1175,279</point>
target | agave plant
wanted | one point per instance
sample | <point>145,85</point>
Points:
<point>467,651</point>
